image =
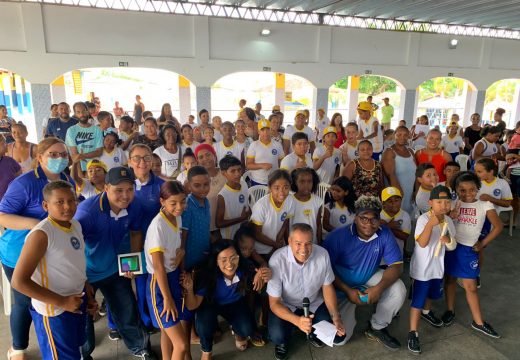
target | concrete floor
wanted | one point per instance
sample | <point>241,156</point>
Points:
<point>500,297</point>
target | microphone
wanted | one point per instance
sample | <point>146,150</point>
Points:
<point>306,313</point>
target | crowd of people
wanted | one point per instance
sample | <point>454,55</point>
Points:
<point>102,184</point>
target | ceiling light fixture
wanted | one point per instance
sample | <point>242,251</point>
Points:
<point>453,43</point>
<point>265,32</point>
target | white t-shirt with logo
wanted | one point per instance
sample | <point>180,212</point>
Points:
<point>328,166</point>
<point>321,125</point>
<point>404,221</point>
<point>452,144</point>
<point>270,218</point>
<point>289,162</point>
<point>222,150</point>
<point>425,265</point>
<point>470,221</point>
<point>170,162</point>
<point>116,158</point>
<point>291,130</point>
<point>235,202</point>
<point>264,153</point>
<point>367,127</point>
<point>340,216</point>
<point>498,188</point>
<point>162,236</point>
<point>307,212</point>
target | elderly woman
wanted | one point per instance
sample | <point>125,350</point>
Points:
<point>150,137</point>
<point>365,173</point>
<point>20,210</point>
<point>399,166</point>
<point>207,158</point>
<point>433,153</point>
<point>21,150</point>
<point>221,290</point>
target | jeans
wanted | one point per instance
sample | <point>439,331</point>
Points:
<point>237,314</point>
<point>20,319</point>
<point>120,298</point>
<point>280,330</point>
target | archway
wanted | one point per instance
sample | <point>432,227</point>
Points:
<point>441,97</point>
<point>290,92</point>
<point>347,92</point>
<point>504,94</point>
<point>155,86</point>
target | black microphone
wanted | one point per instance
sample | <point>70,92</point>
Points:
<point>306,312</point>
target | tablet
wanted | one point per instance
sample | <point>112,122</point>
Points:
<point>130,262</point>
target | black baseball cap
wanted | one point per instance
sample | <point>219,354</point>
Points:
<point>436,193</point>
<point>118,174</point>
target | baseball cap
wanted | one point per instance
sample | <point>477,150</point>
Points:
<point>300,112</point>
<point>329,129</point>
<point>386,98</point>
<point>97,162</point>
<point>364,105</point>
<point>390,191</point>
<point>436,193</point>
<point>276,108</point>
<point>119,174</point>
<point>264,124</point>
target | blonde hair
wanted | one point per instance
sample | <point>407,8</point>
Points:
<point>43,146</point>
<point>139,146</point>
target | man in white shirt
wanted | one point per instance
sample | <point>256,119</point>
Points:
<point>299,126</point>
<point>301,270</point>
<point>322,121</point>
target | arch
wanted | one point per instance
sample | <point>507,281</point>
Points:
<point>15,94</point>
<point>291,92</point>
<point>504,93</point>
<point>155,86</point>
<point>347,92</point>
<point>440,97</point>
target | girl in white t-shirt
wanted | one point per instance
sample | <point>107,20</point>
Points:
<point>307,205</point>
<point>272,213</point>
<point>470,214</point>
<point>94,183</point>
<point>164,252</point>
<point>113,155</point>
<point>340,209</point>
<point>188,161</point>
<point>451,142</point>
<point>493,189</point>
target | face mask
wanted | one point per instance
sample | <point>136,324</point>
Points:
<point>56,166</point>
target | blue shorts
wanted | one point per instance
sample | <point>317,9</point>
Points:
<point>60,337</point>
<point>377,156</point>
<point>462,262</point>
<point>515,184</point>
<point>422,290</point>
<point>155,300</point>
<point>454,155</point>
<point>486,229</point>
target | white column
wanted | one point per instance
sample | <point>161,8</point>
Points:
<point>203,98</point>
<point>479,102</point>
<point>184,99</point>
<point>322,101</point>
<point>41,99</point>
<point>399,112</point>
<point>352,97</point>
<point>410,106</point>
<point>515,113</point>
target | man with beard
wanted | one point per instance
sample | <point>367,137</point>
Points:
<point>58,127</point>
<point>85,141</point>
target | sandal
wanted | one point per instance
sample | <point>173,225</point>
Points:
<point>205,356</point>
<point>240,344</point>
<point>12,352</point>
<point>257,340</point>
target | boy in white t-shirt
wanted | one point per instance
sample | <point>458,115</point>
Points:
<point>394,217</point>
<point>51,270</point>
<point>263,155</point>
<point>232,202</point>
<point>299,126</point>
<point>452,142</point>
<point>434,231</point>
<point>300,156</point>
<point>326,158</point>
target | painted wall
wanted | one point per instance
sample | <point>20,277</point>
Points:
<point>41,42</point>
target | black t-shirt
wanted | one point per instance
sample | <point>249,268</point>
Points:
<point>472,135</point>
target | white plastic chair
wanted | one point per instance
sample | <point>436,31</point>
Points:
<point>322,190</point>
<point>255,193</point>
<point>509,209</point>
<point>462,159</point>
<point>246,175</point>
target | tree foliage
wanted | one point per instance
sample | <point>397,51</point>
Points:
<point>370,84</point>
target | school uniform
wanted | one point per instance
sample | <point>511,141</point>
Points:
<point>61,270</point>
<point>291,130</point>
<point>235,200</point>
<point>452,145</point>
<point>340,216</point>
<point>289,162</point>
<point>270,153</point>
<point>115,158</point>
<point>165,238</point>
<point>497,188</point>
<point>464,261</point>
<point>426,269</point>
<point>235,149</point>
<point>271,218</point>
<point>404,221</point>
<point>328,167</point>
<point>87,190</point>
<point>307,212</point>
<point>422,199</point>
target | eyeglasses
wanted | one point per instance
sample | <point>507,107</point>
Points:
<point>232,259</point>
<point>365,220</point>
<point>137,159</point>
<point>56,155</point>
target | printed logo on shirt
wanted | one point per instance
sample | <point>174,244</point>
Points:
<point>307,212</point>
<point>453,195</point>
<point>400,222</point>
<point>83,137</point>
<point>356,153</point>
<point>116,159</point>
<point>497,192</point>
<point>336,160</point>
<point>274,152</point>
<point>75,243</point>
<point>473,264</point>
<point>229,153</point>
<point>284,216</point>
<point>241,198</point>
<point>343,219</point>
<point>376,249</point>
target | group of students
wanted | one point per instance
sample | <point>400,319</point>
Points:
<point>206,251</point>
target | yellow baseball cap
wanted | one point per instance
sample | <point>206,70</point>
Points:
<point>300,112</point>
<point>390,191</point>
<point>329,129</point>
<point>364,105</point>
<point>262,124</point>
<point>276,108</point>
<point>97,162</point>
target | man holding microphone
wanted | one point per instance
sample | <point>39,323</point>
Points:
<point>301,270</point>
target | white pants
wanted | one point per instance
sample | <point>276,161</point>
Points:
<point>389,303</point>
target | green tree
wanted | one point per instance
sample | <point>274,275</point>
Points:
<point>370,84</point>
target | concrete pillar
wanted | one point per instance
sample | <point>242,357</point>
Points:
<point>322,102</point>
<point>515,111</point>
<point>279,90</point>
<point>471,104</point>
<point>204,98</point>
<point>467,95</point>
<point>58,90</point>
<point>411,100</point>
<point>399,111</point>
<point>479,102</point>
<point>184,99</point>
<point>41,99</point>
<point>352,97</point>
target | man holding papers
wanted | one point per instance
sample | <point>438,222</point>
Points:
<point>302,270</point>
